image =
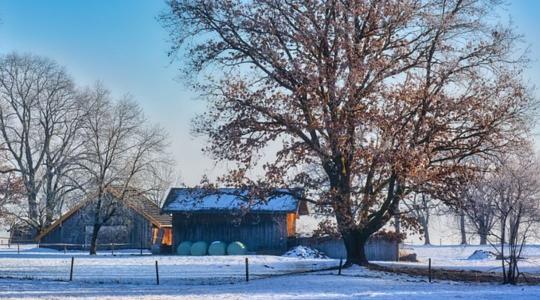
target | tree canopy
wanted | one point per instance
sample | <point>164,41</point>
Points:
<point>368,100</point>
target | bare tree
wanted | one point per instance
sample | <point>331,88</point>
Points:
<point>462,226</point>
<point>38,125</point>
<point>420,206</point>
<point>164,176</point>
<point>378,97</point>
<point>121,150</point>
<point>479,206</point>
<point>516,187</point>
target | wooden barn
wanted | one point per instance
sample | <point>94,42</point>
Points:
<point>136,223</point>
<point>264,226</point>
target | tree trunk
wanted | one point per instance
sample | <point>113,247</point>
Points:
<point>93,241</point>
<point>97,225</point>
<point>424,220</point>
<point>426,235</point>
<point>354,244</point>
<point>503,232</point>
<point>483,238</point>
<point>49,213</point>
<point>462,227</point>
<point>483,234</point>
<point>33,209</point>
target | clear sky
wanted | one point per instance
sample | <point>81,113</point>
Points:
<point>120,43</point>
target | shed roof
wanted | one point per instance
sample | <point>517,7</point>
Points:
<point>134,200</point>
<point>192,200</point>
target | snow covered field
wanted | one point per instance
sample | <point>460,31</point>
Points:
<point>355,283</point>
<point>457,258</point>
<point>130,276</point>
<point>129,267</point>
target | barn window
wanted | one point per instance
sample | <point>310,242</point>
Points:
<point>291,224</point>
<point>167,237</point>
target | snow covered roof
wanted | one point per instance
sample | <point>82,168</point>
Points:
<point>228,199</point>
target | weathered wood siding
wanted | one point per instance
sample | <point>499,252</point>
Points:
<point>261,233</point>
<point>134,228</point>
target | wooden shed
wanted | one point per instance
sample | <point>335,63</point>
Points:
<point>136,223</point>
<point>228,215</point>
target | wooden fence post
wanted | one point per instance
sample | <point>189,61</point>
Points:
<point>141,247</point>
<point>71,269</point>
<point>157,273</point>
<point>112,249</point>
<point>429,270</point>
<point>340,265</point>
<point>247,269</point>
<point>18,248</point>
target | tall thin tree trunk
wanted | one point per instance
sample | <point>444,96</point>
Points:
<point>503,231</point>
<point>97,226</point>
<point>462,227</point>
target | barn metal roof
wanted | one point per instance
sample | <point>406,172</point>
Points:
<point>229,199</point>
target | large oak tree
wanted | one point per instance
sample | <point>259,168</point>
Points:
<point>367,101</point>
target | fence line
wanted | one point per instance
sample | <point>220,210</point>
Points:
<point>65,247</point>
<point>146,271</point>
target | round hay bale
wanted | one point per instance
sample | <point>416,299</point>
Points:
<point>217,248</point>
<point>184,248</point>
<point>199,248</point>
<point>236,248</point>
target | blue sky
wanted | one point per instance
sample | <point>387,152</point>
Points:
<point>120,43</point>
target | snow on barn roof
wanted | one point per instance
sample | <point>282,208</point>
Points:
<point>229,199</point>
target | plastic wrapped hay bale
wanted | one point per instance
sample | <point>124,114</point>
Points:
<point>199,248</point>
<point>236,248</point>
<point>184,248</point>
<point>217,248</point>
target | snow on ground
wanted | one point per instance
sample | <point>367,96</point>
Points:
<point>128,267</point>
<point>305,252</point>
<point>43,274</point>
<point>355,283</point>
<point>482,254</point>
<point>455,257</point>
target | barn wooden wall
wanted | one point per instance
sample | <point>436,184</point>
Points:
<point>261,233</point>
<point>72,230</point>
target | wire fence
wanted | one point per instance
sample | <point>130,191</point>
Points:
<point>129,266</point>
<point>112,248</point>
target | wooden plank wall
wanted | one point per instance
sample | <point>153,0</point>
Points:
<point>261,233</point>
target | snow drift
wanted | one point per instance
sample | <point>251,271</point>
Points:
<point>305,252</point>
